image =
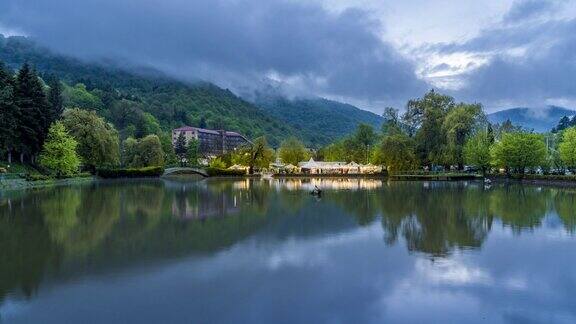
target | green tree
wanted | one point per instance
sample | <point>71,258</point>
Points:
<point>193,152</point>
<point>8,113</point>
<point>519,151</point>
<point>55,98</point>
<point>149,152</point>
<point>424,118</point>
<point>391,124</point>
<point>129,152</point>
<point>364,137</point>
<point>79,96</point>
<point>256,155</point>
<point>459,123</point>
<point>477,151</point>
<point>59,151</point>
<point>397,153</point>
<point>217,163</point>
<point>97,140</point>
<point>334,152</point>
<point>180,147</point>
<point>170,157</point>
<point>567,147</point>
<point>33,112</point>
<point>147,124</point>
<point>292,151</point>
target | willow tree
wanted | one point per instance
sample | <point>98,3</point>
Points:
<point>98,143</point>
<point>476,151</point>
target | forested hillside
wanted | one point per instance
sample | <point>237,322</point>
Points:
<point>139,101</point>
<point>538,119</point>
<point>319,121</point>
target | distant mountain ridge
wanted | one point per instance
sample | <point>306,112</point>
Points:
<point>319,120</point>
<point>538,119</point>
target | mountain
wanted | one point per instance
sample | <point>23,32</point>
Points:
<point>127,97</point>
<point>538,119</point>
<point>319,121</point>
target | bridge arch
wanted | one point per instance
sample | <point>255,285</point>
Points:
<point>184,170</point>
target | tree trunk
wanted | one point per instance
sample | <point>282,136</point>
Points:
<point>22,158</point>
<point>9,156</point>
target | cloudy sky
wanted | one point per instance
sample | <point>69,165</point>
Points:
<point>371,53</point>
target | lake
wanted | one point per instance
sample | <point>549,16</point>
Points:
<point>266,251</point>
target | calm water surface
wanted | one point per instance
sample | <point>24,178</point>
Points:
<point>251,251</point>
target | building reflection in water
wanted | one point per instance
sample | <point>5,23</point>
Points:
<point>327,183</point>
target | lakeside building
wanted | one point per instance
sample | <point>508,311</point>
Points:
<point>320,167</point>
<point>212,142</point>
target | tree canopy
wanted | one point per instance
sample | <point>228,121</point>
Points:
<point>59,151</point>
<point>293,151</point>
<point>97,140</point>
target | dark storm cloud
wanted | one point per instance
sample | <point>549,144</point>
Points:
<point>528,61</point>
<point>225,41</point>
<point>545,69</point>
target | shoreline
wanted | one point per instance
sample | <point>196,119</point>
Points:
<point>560,183</point>
<point>23,184</point>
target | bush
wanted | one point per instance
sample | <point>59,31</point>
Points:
<point>217,172</point>
<point>130,173</point>
<point>37,177</point>
<point>76,175</point>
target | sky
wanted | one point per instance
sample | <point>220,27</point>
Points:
<point>371,53</point>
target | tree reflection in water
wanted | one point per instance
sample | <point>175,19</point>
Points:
<point>57,231</point>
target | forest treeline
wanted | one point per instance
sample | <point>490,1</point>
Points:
<point>435,132</point>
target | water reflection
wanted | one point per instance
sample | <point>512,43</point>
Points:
<point>54,235</point>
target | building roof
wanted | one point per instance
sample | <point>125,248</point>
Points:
<point>204,130</point>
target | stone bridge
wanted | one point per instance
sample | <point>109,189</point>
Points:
<point>183,170</point>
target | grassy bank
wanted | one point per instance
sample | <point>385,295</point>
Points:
<point>19,184</point>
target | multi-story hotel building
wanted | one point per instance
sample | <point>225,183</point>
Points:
<point>212,142</point>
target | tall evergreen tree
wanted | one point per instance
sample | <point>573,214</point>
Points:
<point>8,113</point>
<point>55,99</point>
<point>34,109</point>
<point>180,147</point>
